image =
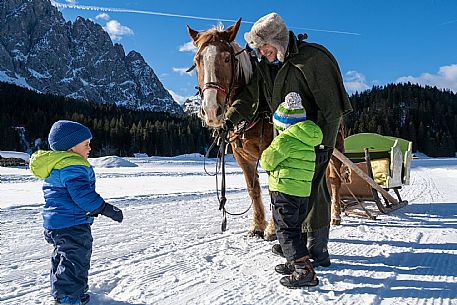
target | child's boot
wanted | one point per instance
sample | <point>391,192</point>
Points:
<point>286,269</point>
<point>302,276</point>
<point>67,301</point>
<point>85,298</point>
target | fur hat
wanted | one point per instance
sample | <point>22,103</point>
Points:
<point>289,112</point>
<point>66,134</point>
<point>272,30</point>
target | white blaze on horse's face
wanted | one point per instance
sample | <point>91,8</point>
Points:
<point>211,110</point>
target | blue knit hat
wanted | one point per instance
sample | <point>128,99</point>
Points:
<point>289,112</point>
<point>66,134</point>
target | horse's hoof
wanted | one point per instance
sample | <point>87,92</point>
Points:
<point>336,222</point>
<point>255,233</point>
<point>269,237</point>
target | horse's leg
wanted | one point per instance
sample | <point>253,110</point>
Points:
<point>270,230</point>
<point>335,185</point>
<point>336,203</point>
<point>255,140</point>
<point>251,176</point>
<point>335,166</point>
<point>267,136</point>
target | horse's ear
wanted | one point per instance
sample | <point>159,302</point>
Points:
<point>233,30</point>
<point>192,33</point>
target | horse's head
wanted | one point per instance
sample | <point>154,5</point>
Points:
<point>217,67</point>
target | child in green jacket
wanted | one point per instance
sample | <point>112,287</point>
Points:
<point>290,161</point>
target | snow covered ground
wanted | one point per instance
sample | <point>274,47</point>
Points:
<point>169,249</point>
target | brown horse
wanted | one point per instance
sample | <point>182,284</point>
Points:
<point>222,69</point>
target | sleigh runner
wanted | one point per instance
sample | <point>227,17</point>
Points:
<point>378,164</point>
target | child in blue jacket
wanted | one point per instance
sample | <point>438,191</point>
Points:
<point>71,203</point>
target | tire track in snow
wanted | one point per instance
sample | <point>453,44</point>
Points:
<point>25,220</point>
<point>205,243</point>
<point>183,285</point>
<point>157,257</point>
<point>389,282</point>
<point>422,188</point>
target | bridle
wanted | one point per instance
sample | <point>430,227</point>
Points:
<point>216,85</point>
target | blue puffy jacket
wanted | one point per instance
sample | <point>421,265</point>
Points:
<point>69,188</point>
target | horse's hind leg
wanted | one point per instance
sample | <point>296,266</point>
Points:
<point>270,230</point>
<point>335,185</point>
<point>336,202</point>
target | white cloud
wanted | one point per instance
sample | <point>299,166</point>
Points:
<point>71,1</point>
<point>103,16</point>
<point>446,78</point>
<point>182,71</point>
<point>355,81</point>
<point>178,98</point>
<point>188,47</point>
<point>116,30</point>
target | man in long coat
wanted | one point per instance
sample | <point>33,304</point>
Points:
<point>288,65</point>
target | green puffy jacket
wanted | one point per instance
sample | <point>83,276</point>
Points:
<point>290,159</point>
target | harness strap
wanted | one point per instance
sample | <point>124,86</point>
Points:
<point>245,126</point>
<point>214,85</point>
<point>359,203</point>
<point>224,135</point>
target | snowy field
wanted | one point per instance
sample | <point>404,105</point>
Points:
<point>169,249</point>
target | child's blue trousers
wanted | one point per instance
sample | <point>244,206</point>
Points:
<point>289,212</point>
<point>70,260</point>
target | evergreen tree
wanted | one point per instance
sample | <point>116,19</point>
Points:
<point>115,130</point>
<point>424,115</point>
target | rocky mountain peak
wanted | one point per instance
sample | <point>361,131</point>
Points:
<point>40,50</point>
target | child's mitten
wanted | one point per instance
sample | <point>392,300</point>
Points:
<point>110,211</point>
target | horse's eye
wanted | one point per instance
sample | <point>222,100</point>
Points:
<point>227,60</point>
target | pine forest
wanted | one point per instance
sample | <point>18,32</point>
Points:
<point>427,116</point>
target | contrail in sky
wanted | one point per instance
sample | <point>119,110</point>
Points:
<point>448,22</point>
<point>124,10</point>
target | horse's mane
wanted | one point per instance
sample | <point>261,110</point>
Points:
<point>244,66</point>
<point>244,63</point>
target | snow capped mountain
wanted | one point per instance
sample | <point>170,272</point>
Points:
<point>192,104</point>
<point>76,60</point>
<point>178,98</point>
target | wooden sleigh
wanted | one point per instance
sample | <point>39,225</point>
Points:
<point>378,164</point>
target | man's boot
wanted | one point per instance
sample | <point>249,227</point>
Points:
<point>317,247</point>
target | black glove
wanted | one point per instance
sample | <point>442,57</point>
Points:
<point>323,154</point>
<point>110,211</point>
<point>227,126</point>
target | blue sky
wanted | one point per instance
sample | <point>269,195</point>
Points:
<point>375,42</point>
